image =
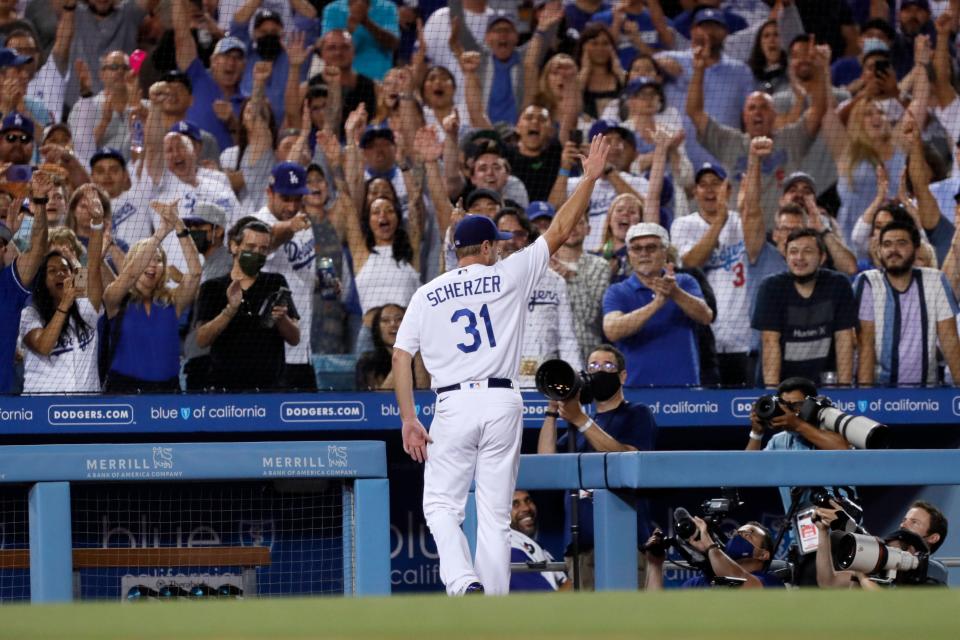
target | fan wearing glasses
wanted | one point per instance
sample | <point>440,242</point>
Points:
<point>616,426</point>
<point>652,315</point>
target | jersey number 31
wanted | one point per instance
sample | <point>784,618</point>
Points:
<point>471,328</point>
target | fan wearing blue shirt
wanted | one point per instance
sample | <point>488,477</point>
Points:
<point>651,316</point>
<point>16,278</point>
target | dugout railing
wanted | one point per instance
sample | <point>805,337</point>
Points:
<point>49,473</point>
<point>615,478</point>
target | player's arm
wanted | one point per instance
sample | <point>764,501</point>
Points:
<point>415,437</point>
<point>572,210</point>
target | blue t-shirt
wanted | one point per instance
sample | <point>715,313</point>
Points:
<point>205,93</point>
<point>369,58</point>
<point>13,296</point>
<point>148,347</point>
<point>769,262</point>
<point>631,424</point>
<point>700,582</point>
<point>648,33</point>
<point>577,18</point>
<point>668,336</point>
<point>845,70</point>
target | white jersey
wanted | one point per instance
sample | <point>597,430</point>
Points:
<point>600,200</point>
<point>468,323</point>
<point>727,273</point>
<point>295,261</point>
<point>549,327</point>
<point>529,550</point>
<point>72,365</point>
<point>173,188</point>
<point>130,213</point>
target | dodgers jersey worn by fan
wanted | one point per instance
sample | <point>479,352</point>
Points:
<point>468,323</point>
<point>295,261</point>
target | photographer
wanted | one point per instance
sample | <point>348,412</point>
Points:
<point>922,531</point>
<point>243,320</point>
<point>746,556</point>
<point>617,426</point>
<point>791,432</point>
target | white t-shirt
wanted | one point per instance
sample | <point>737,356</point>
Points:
<point>172,188</point>
<point>131,215</point>
<point>600,200</point>
<point>468,323</point>
<point>549,328</point>
<point>295,261</point>
<point>72,365</point>
<point>727,273</point>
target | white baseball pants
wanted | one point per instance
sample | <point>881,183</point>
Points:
<point>476,436</point>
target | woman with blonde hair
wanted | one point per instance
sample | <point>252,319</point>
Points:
<point>869,141</point>
<point>625,211</point>
<point>143,340</point>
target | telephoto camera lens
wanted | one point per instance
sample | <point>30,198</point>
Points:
<point>683,524</point>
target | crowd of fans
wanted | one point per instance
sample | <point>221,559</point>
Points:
<point>199,194</point>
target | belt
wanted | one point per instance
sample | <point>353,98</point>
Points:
<point>490,383</point>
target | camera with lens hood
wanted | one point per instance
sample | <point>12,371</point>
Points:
<point>860,431</point>
<point>767,408</point>
<point>890,564</point>
<point>557,380</point>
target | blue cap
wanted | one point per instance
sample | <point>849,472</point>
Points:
<point>711,15</point>
<point>475,229</point>
<point>17,121</point>
<point>10,58</point>
<point>375,131</point>
<point>105,153</point>
<point>603,126</point>
<point>188,129</point>
<point>634,86</point>
<point>708,167</point>
<point>501,17</point>
<point>289,179</point>
<point>540,209</point>
<point>923,4</point>
<point>228,44</point>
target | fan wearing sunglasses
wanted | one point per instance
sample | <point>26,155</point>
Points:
<point>16,139</point>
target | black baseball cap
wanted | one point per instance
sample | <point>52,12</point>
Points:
<point>175,75</point>
<point>476,194</point>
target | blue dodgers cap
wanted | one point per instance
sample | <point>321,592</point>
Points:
<point>228,44</point>
<point>289,179</point>
<point>476,229</point>
<point>634,86</point>
<point>601,127</point>
<point>17,121</point>
<point>540,209</point>
<point>709,167</point>
<point>105,153</point>
<point>10,58</point>
<point>375,131</point>
<point>501,17</point>
<point>711,15</point>
<point>188,129</point>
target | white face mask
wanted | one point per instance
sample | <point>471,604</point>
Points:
<point>874,44</point>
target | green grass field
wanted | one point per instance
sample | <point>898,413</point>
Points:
<point>904,615</point>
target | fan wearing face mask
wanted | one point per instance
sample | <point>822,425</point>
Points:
<point>616,426</point>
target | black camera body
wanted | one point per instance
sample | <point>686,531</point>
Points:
<point>558,381</point>
<point>767,408</point>
<point>850,514</point>
<point>280,297</point>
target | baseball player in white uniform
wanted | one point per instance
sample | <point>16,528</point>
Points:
<point>468,325</point>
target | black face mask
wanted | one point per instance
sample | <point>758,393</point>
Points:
<point>200,239</point>
<point>810,277</point>
<point>604,384</point>
<point>269,47</point>
<point>251,262</point>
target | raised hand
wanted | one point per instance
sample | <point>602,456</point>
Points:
<point>41,184</point>
<point>596,162</point>
<point>922,51</point>
<point>470,62</point>
<point>261,72</point>
<point>234,295</point>
<point>761,147</point>
<point>96,207</point>
<point>331,75</point>
<point>944,24</point>
<point>356,123</point>
<point>700,58</point>
<point>83,76</point>
<point>297,51</point>
<point>427,145</point>
<point>454,39</point>
<point>451,124</point>
<point>169,213</point>
<point>550,15</point>
<point>330,146</point>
